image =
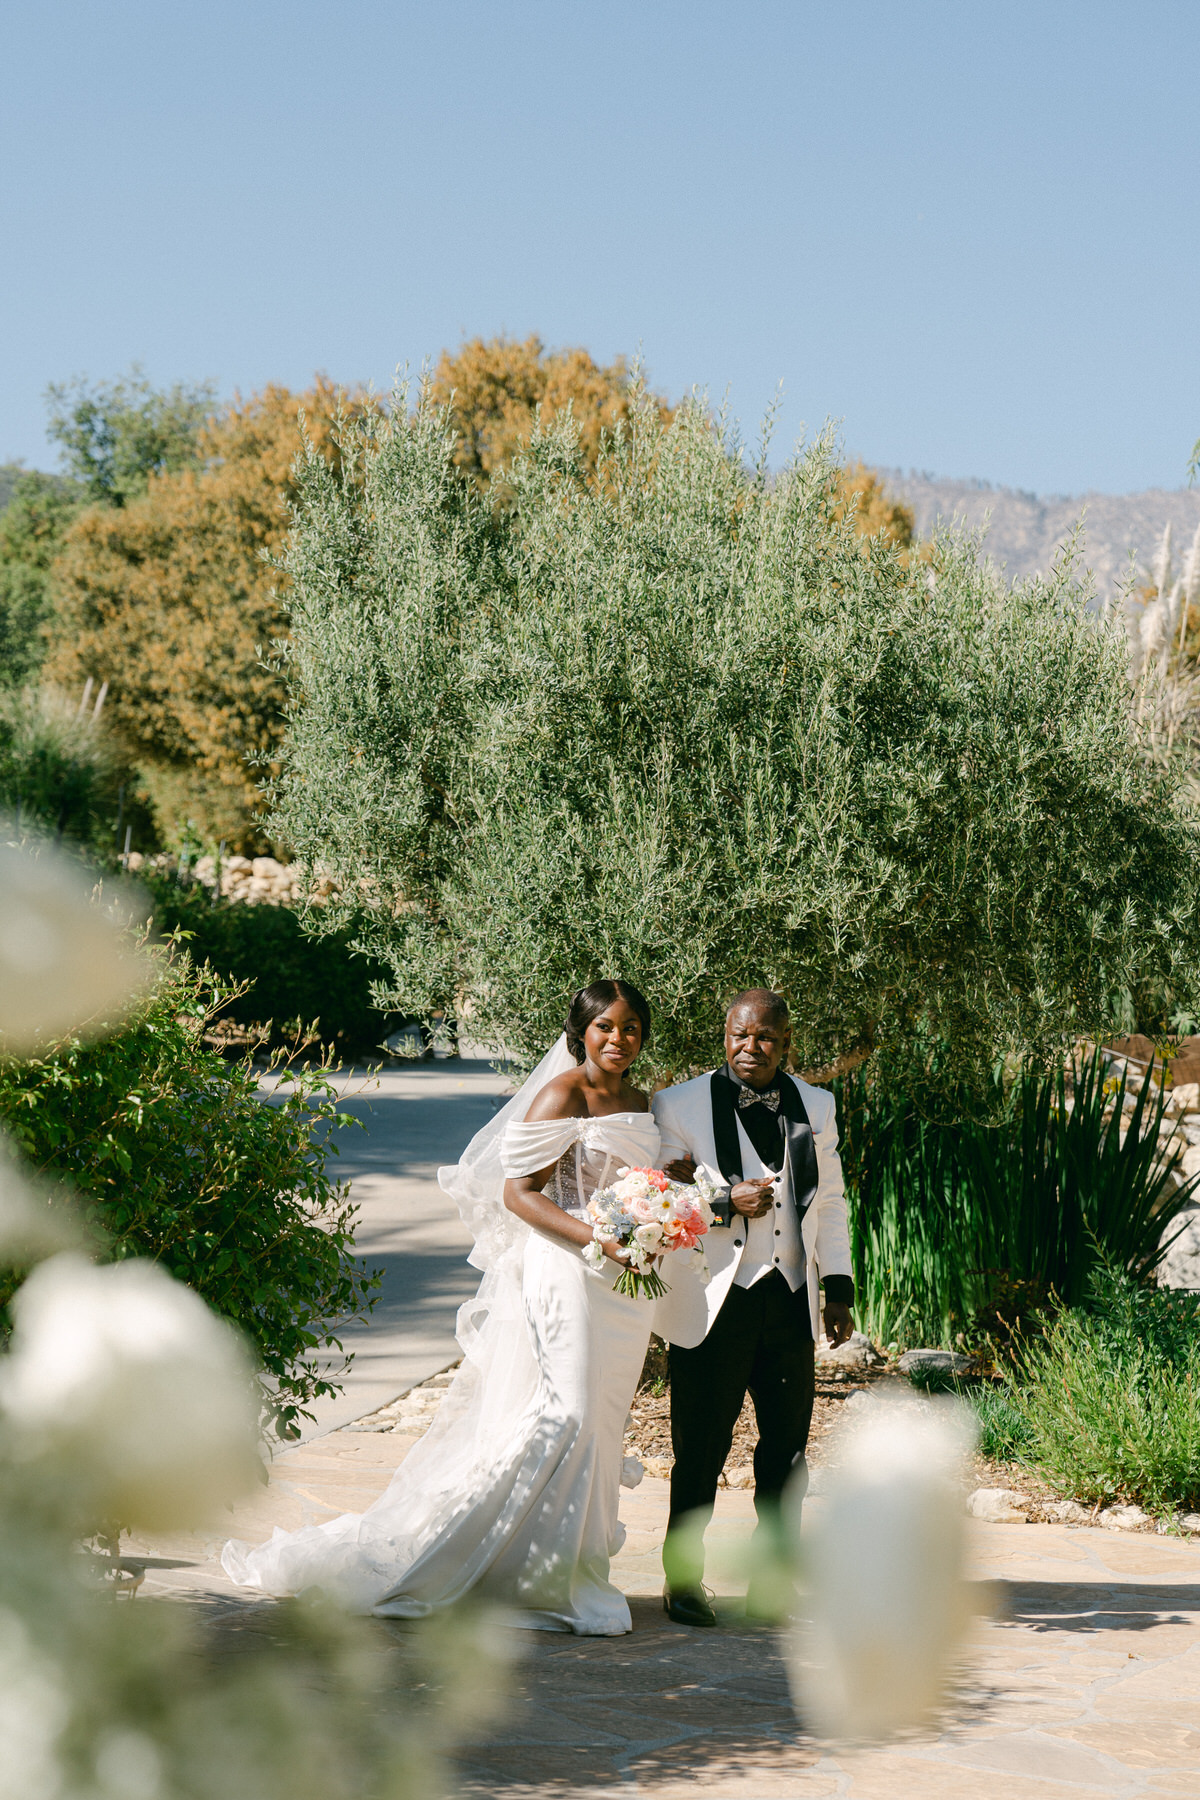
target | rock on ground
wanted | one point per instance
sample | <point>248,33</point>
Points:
<point>998,1506</point>
<point>949,1360</point>
<point>857,1354</point>
<point>1180,1267</point>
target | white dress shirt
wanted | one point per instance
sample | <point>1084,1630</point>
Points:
<point>774,1241</point>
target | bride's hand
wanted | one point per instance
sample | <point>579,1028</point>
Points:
<point>619,1254</point>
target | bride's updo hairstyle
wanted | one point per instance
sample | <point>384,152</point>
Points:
<point>594,999</point>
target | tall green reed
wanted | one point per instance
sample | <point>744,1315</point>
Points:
<point>947,1214</point>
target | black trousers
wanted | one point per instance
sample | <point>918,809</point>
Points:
<point>760,1343</point>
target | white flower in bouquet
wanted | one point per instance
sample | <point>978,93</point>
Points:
<point>648,1238</point>
<point>125,1379</point>
<point>649,1215</point>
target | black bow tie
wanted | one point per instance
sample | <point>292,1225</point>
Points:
<point>748,1096</point>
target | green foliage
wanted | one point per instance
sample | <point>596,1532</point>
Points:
<point>114,435</point>
<point>10,474</point>
<point>278,973</point>
<point>176,1156</point>
<point>1109,1398</point>
<point>950,1218</point>
<point>1004,1433</point>
<point>687,725</point>
<point>37,512</point>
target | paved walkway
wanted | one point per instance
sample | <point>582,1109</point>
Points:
<point>415,1118</point>
<point>1085,1682</point>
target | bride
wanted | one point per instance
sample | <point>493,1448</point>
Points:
<point>512,1493</point>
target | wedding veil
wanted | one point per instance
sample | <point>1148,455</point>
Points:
<point>353,1556</point>
<point>476,1180</point>
<point>497,1379</point>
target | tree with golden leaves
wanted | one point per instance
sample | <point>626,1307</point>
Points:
<point>875,509</point>
<point>172,600</point>
<point>497,392</point>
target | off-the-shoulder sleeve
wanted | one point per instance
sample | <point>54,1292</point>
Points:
<point>528,1146</point>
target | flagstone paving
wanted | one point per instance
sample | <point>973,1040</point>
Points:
<point>1084,1681</point>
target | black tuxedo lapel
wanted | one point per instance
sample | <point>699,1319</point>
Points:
<point>725,1131</point>
<point>802,1152</point>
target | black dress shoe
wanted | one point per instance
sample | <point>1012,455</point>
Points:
<point>688,1606</point>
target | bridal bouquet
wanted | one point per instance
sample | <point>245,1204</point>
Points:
<point>648,1214</point>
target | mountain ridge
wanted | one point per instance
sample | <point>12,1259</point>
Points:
<point>1025,530</point>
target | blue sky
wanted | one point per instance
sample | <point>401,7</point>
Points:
<point>968,232</point>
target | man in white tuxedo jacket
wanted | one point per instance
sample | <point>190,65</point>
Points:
<point>768,1142</point>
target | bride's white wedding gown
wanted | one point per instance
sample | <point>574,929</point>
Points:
<point>512,1493</point>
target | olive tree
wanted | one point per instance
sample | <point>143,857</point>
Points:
<point>683,723</point>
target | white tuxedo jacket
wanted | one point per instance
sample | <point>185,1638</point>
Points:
<point>686,1312</point>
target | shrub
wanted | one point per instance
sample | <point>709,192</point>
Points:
<point>279,975</point>
<point>1109,1398</point>
<point>1004,1434</point>
<point>948,1218</point>
<point>685,723</point>
<point>176,1156</point>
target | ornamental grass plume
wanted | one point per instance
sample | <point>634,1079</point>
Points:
<point>1161,624</point>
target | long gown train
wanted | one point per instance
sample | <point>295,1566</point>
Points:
<point>512,1494</point>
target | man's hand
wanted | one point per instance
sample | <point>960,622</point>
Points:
<point>682,1169</point>
<point>839,1323</point>
<point>752,1198</point>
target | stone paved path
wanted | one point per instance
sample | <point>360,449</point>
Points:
<point>1085,1682</point>
<point>415,1118</point>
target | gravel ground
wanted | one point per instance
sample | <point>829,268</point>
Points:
<point>648,1434</point>
<point>648,1437</point>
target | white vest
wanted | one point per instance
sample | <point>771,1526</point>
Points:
<point>772,1242</point>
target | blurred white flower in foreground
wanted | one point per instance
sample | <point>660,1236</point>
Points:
<point>33,1715</point>
<point>29,1227</point>
<point>883,1554</point>
<point>64,959</point>
<point>123,1373</point>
